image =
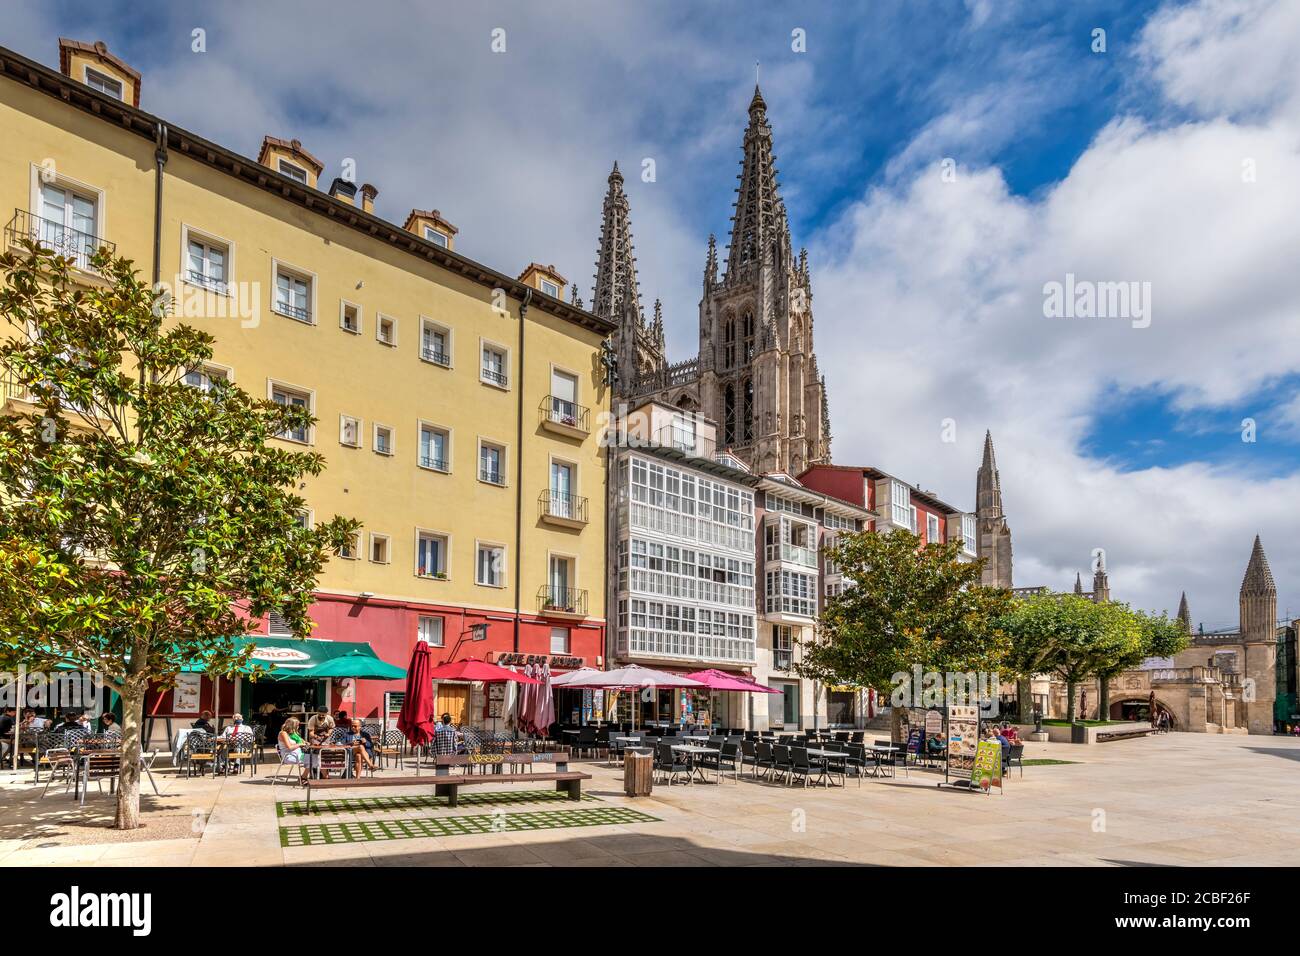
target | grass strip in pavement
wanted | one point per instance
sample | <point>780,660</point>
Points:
<point>298,808</point>
<point>500,821</point>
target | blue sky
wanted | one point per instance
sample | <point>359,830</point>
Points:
<point>1123,165</point>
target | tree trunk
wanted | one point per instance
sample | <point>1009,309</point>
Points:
<point>1071,700</point>
<point>128,785</point>
<point>1025,700</point>
<point>1103,697</point>
<point>899,721</point>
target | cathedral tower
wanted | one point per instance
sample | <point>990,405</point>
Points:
<point>756,373</point>
<point>994,535</point>
<point>1259,635</point>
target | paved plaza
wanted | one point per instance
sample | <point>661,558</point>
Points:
<point>1173,800</point>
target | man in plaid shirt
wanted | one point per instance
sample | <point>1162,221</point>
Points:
<point>444,736</point>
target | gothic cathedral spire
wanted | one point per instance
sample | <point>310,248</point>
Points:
<point>1259,635</point>
<point>994,535</point>
<point>759,211</point>
<point>617,293</point>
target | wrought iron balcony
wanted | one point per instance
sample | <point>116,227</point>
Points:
<point>435,464</point>
<point>557,508</point>
<point>565,417</point>
<point>292,311</point>
<point>64,240</point>
<point>207,282</point>
<point>494,377</point>
<point>436,356</point>
<point>491,475</point>
<point>557,600</point>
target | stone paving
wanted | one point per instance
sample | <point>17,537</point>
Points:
<point>1170,800</point>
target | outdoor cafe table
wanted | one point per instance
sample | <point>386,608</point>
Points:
<point>692,751</point>
<point>879,751</point>
<point>318,749</point>
<point>826,756</point>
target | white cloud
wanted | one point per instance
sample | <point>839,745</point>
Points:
<point>940,284</point>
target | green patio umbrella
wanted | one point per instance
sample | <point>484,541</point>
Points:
<point>356,664</point>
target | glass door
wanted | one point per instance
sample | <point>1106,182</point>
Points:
<point>561,489</point>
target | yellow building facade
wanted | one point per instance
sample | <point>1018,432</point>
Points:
<point>456,407</point>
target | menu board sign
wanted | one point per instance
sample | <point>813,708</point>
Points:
<point>987,772</point>
<point>933,723</point>
<point>963,738</point>
<point>185,695</point>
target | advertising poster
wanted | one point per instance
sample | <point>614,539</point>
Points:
<point>933,723</point>
<point>963,739</point>
<point>987,772</point>
<point>185,696</point>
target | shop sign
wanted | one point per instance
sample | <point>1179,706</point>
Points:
<point>508,658</point>
<point>279,655</point>
<point>987,772</point>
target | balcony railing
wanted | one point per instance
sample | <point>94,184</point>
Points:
<point>562,507</point>
<point>686,441</point>
<point>792,553</point>
<point>436,356</point>
<point>292,311</point>
<point>211,284</point>
<point>64,240</point>
<point>565,414</point>
<point>491,475</point>
<point>493,376</point>
<point>436,464</point>
<point>557,600</point>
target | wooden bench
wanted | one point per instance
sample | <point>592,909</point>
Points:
<point>1107,735</point>
<point>447,784</point>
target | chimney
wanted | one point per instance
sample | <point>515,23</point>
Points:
<point>368,196</point>
<point>344,190</point>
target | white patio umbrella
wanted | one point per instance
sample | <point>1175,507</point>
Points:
<point>631,677</point>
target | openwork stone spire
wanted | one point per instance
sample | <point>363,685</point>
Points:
<point>988,485</point>
<point>994,540</point>
<point>617,292</point>
<point>758,203</point>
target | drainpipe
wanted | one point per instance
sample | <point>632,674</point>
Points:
<point>160,159</point>
<point>519,467</point>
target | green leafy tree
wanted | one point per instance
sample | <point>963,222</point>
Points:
<point>1075,640</point>
<point>141,518</point>
<point>904,605</point>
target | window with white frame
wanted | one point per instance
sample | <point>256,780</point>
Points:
<point>206,377</point>
<point>379,548</point>
<point>559,640</point>
<point>349,431</point>
<point>431,554</point>
<point>292,294</point>
<point>352,547</point>
<point>491,463</point>
<point>435,448</point>
<point>293,171</point>
<point>104,83</point>
<point>791,592</point>
<point>829,544</point>
<point>386,330</point>
<point>564,398</point>
<point>436,237</point>
<point>205,263</point>
<point>550,288</point>
<point>490,565</point>
<point>430,631</point>
<point>494,370</point>
<point>383,439</point>
<point>69,222</point>
<point>900,504</point>
<point>969,533</point>
<point>435,343</point>
<point>303,520</point>
<point>294,398</point>
<point>931,529</point>
<point>782,647</point>
<point>350,317</point>
<point>836,522</point>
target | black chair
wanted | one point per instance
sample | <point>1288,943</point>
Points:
<point>749,753</point>
<point>241,752</point>
<point>586,741</point>
<point>842,736</point>
<point>763,758</point>
<point>800,765</point>
<point>670,763</point>
<point>781,760</point>
<point>856,760</point>
<point>1017,756</point>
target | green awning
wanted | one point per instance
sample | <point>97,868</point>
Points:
<point>288,658</point>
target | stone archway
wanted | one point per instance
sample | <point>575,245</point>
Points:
<point>1137,707</point>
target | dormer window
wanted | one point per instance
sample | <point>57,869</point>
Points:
<point>436,237</point>
<point>293,171</point>
<point>104,83</point>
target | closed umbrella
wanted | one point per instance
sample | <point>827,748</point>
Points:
<point>543,702</point>
<point>417,719</point>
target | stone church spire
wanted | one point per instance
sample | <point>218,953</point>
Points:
<point>1259,635</point>
<point>1184,613</point>
<point>993,542</point>
<point>1100,582</point>
<point>1078,584</point>
<point>759,213</point>
<point>617,292</point>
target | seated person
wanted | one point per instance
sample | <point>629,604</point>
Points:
<point>323,729</point>
<point>315,721</point>
<point>289,746</point>
<point>204,723</point>
<point>1009,731</point>
<point>445,736</point>
<point>237,726</point>
<point>363,747</point>
<point>108,723</point>
<point>71,721</point>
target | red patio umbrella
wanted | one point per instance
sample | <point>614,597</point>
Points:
<point>416,719</point>
<point>720,680</point>
<point>479,671</point>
